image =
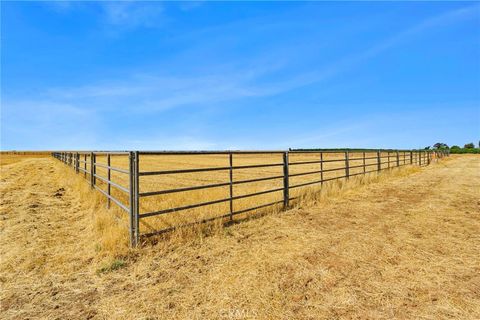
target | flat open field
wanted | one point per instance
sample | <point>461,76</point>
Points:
<point>404,246</point>
<point>300,163</point>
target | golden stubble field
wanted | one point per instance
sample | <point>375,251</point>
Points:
<point>402,245</point>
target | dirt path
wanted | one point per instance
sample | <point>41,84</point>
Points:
<point>403,248</point>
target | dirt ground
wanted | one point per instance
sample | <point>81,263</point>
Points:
<point>400,248</point>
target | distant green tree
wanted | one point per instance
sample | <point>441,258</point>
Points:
<point>455,148</point>
<point>440,145</point>
<point>469,145</point>
<point>427,148</point>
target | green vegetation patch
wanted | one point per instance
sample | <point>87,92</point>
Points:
<point>112,266</point>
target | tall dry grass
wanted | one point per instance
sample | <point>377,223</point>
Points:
<point>172,181</point>
<point>111,226</point>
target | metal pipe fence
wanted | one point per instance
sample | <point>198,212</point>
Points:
<point>128,197</point>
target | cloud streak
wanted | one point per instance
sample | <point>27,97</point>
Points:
<point>129,14</point>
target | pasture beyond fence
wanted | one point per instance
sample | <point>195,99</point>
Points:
<point>243,181</point>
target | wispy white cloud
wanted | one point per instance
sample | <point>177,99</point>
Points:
<point>190,5</point>
<point>124,14</point>
<point>133,14</point>
<point>166,142</point>
<point>148,93</point>
<point>347,63</point>
<point>153,93</point>
<point>444,19</point>
<point>48,124</point>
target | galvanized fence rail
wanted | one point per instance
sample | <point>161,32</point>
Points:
<point>129,197</point>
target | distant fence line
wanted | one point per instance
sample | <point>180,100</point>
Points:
<point>86,163</point>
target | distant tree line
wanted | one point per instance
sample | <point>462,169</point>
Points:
<point>467,148</point>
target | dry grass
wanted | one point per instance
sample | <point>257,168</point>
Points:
<point>172,181</point>
<point>402,247</point>
<point>9,158</point>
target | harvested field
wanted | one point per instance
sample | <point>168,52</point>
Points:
<point>257,181</point>
<point>403,246</point>
<point>9,158</point>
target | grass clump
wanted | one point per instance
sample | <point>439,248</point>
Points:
<point>112,266</point>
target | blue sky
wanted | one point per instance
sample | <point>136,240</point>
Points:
<point>242,75</point>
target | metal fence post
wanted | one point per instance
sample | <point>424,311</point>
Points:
<point>77,163</point>
<point>134,198</point>
<point>108,179</point>
<point>347,166</point>
<point>137,197</point>
<point>379,164</point>
<point>94,169</point>
<point>364,164</point>
<point>286,187</point>
<point>92,172</point>
<point>321,168</point>
<point>131,187</point>
<point>230,158</point>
